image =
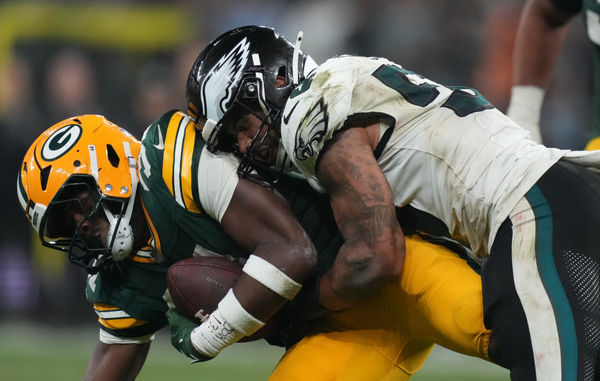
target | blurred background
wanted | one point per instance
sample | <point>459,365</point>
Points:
<point>128,60</point>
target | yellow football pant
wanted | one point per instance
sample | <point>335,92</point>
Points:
<point>593,144</point>
<point>389,336</point>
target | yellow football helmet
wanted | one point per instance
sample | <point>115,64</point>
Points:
<point>83,153</point>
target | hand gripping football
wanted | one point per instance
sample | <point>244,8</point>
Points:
<point>198,284</point>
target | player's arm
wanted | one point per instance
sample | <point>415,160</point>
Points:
<point>111,362</point>
<point>260,220</point>
<point>540,37</point>
<point>363,205</point>
<point>282,255</point>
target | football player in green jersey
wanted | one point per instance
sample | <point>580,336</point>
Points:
<point>127,300</point>
<point>79,188</point>
<point>540,38</point>
<point>125,211</point>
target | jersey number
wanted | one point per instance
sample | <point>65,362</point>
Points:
<point>463,101</point>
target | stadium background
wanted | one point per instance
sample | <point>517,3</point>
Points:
<point>128,60</point>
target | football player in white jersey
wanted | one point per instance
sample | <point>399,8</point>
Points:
<point>375,136</point>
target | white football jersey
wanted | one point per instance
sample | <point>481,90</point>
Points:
<point>445,151</point>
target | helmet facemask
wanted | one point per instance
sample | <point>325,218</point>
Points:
<point>252,164</point>
<point>59,230</point>
<point>250,101</point>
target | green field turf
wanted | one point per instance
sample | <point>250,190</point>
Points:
<point>32,353</point>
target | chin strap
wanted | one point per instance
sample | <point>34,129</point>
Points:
<point>295,71</point>
<point>122,239</point>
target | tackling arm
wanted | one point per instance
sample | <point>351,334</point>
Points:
<point>111,362</point>
<point>363,205</point>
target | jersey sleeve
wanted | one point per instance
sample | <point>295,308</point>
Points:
<point>174,169</point>
<point>128,301</point>
<point>218,173</point>
<point>309,120</point>
<point>345,92</point>
<point>175,157</point>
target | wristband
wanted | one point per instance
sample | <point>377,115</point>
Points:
<point>225,326</point>
<point>236,316</point>
<point>525,109</point>
<point>271,277</point>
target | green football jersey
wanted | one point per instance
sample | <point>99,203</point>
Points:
<point>169,182</point>
<point>128,299</point>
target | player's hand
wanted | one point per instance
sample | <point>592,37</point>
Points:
<point>181,331</point>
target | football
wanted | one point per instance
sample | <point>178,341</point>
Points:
<point>199,283</point>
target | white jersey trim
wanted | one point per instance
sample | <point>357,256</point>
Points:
<point>108,338</point>
<point>112,314</point>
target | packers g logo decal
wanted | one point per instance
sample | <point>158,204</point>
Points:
<point>61,142</point>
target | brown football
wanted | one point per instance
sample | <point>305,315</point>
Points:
<point>199,283</point>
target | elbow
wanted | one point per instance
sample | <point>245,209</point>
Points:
<point>301,259</point>
<point>309,257</point>
<point>307,253</point>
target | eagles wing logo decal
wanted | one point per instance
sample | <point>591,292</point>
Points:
<point>216,90</point>
<point>61,142</point>
<point>311,131</point>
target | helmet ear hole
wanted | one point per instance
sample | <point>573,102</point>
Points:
<point>282,72</point>
<point>113,158</point>
<point>44,175</point>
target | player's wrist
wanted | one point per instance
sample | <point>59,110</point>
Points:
<point>525,108</point>
<point>181,329</point>
<point>225,326</point>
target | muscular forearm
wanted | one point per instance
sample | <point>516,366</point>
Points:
<point>259,292</point>
<point>257,299</point>
<point>540,37</point>
<point>282,256</point>
<point>363,205</point>
<point>353,278</point>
